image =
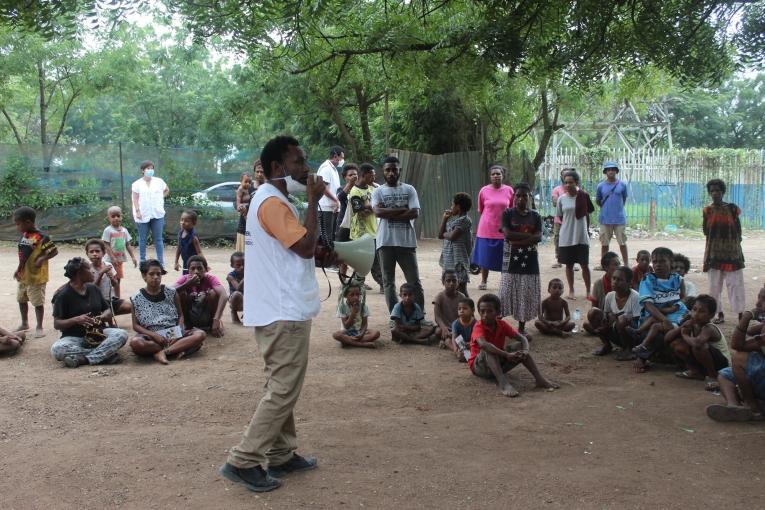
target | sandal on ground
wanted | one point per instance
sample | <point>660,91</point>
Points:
<point>711,384</point>
<point>481,286</point>
<point>557,265</point>
<point>640,349</point>
<point>687,374</point>
<point>720,412</point>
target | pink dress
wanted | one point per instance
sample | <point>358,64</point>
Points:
<point>490,242</point>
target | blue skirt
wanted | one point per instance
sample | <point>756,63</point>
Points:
<point>487,253</point>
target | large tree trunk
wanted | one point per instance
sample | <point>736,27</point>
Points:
<point>549,126</point>
<point>348,138</point>
<point>43,117</point>
<point>366,135</point>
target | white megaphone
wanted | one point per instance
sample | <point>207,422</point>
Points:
<point>359,253</point>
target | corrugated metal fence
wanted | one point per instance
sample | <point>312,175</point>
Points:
<point>437,179</point>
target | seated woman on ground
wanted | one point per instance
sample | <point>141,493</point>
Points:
<point>621,309</point>
<point>80,312</point>
<point>595,324</point>
<point>743,383</point>
<point>354,315</point>
<point>699,344</point>
<point>158,319</point>
<point>10,342</point>
<point>555,318</point>
<point>203,297</point>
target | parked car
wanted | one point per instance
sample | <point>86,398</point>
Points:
<point>221,195</point>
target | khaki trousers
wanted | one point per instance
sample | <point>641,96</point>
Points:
<point>270,438</point>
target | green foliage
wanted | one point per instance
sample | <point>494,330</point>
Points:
<point>20,186</point>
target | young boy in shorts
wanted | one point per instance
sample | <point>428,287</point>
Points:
<point>407,321</point>
<point>747,371</point>
<point>491,353</point>
<point>445,307</point>
<point>235,281</point>
<point>700,344</point>
<point>117,239</point>
<point>35,250</point>
<point>555,318</point>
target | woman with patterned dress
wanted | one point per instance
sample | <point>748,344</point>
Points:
<point>723,258</point>
<point>519,288</point>
<point>493,199</point>
<point>456,231</point>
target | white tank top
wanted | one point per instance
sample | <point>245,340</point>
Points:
<point>279,285</point>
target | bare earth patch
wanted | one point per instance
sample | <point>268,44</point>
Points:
<point>400,426</point>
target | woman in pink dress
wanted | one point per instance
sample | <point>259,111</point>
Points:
<point>493,199</point>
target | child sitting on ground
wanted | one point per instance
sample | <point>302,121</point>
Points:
<point>407,322</point>
<point>747,371</point>
<point>492,354</point>
<point>681,265</point>
<point>555,318</point>
<point>10,342</point>
<point>203,297</point>
<point>188,241</point>
<point>621,309</point>
<point>642,268</point>
<point>117,239</point>
<point>35,249</point>
<point>661,295</point>
<point>235,281</point>
<point>354,316</point>
<point>158,319</point>
<point>445,306</point>
<point>700,344</point>
<point>462,329</point>
<point>105,277</point>
<point>595,317</point>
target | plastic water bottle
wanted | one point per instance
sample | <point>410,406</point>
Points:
<point>577,320</point>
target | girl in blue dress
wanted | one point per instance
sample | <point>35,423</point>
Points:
<point>188,241</point>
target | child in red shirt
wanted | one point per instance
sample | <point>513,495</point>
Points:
<point>491,355</point>
<point>642,268</point>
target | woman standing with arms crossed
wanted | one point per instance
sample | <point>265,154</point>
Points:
<point>493,199</point>
<point>149,194</point>
<point>574,208</point>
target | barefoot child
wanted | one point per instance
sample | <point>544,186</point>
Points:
<point>621,309</point>
<point>203,297</point>
<point>407,320</point>
<point>747,371</point>
<point>105,277</point>
<point>235,281</point>
<point>10,342</point>
<point>353,316</point>
<point>555,318</point>
<point>700,344</point>
<point>35,249</point>
<point>462,330</point>
<point>188,241</point>
<point>491,353</point>
<point>445,306</point>
<point>117,239</point>
<point>455,230</point>
<point>595,323</point>
<point>158,319</point>
<point>642,268</point>
<point>661,295</point>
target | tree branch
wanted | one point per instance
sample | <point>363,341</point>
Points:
<point>13,126</point>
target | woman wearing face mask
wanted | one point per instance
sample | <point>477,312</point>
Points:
<point>149,194</point>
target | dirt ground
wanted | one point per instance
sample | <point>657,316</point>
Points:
<point>401,426</point>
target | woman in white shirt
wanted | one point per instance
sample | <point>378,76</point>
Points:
<point>574,208</point>
<point>149,194</point>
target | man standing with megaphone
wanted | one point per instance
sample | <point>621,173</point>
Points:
<point>281,296</point>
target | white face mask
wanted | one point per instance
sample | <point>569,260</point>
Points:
<point>341,163</point>
<point>293,186</point>
<point>149,172</point>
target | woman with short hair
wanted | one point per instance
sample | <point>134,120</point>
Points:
<point>493,199</point>
<point>148,194</point>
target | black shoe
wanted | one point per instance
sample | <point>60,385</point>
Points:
<point>294,465</point>
<point>254,478</point>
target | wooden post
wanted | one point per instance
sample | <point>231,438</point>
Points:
<point>652,215</point>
